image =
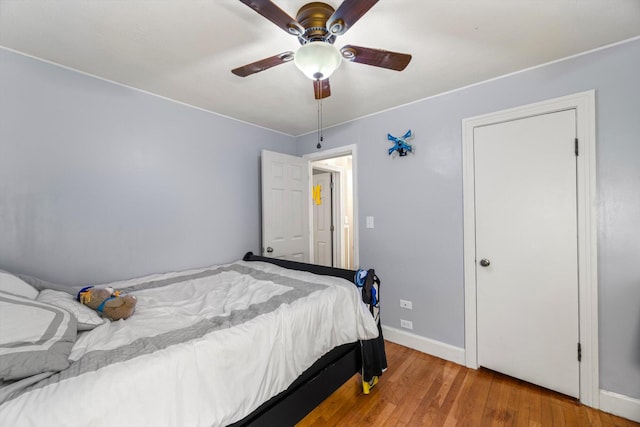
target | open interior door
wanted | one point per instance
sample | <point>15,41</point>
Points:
<point>285,206</point>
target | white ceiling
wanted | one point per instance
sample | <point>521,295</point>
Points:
<point>184,49</point>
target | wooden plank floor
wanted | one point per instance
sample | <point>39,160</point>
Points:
<point>422,390</point>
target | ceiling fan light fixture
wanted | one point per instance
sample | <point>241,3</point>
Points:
<point>317,60</point>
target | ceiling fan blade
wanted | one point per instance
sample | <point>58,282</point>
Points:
<point>376,57</point>
<point>263,64</point>
<point>347,14</point>
<point>273,13</point>
<point>321,89</point>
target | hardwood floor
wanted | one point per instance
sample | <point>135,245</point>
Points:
<point>422,390</point>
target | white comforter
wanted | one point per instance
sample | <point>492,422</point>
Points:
<point>204,347</point>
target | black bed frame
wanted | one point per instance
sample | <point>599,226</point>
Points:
<point>316,383</point>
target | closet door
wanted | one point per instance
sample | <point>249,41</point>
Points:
<point>526,249</point>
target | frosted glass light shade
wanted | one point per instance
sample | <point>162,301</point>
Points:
<point>317,60</point>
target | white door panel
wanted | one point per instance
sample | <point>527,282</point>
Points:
<point>322,233</point>
<point>285,208</point>
<point>526,227</point>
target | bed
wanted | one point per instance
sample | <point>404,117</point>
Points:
<point>255,342</point>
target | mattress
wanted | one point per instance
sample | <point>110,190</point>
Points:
<point>205,347</point>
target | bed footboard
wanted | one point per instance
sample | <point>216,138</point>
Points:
<point>301,266</point>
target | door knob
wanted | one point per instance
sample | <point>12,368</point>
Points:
<point>269,249</point>
<point>485,262</point>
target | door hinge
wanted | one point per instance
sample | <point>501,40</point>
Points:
<point>579,352</point>
<point>332,228</point>
<point>576,146</point>
<point>331,185</point>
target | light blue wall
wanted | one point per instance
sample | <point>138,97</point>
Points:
<point>417,242</point>
<point>100,182</point>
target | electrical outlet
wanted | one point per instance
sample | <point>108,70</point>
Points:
<point>369,222</point>
<point>407,324</point>
<point>406,304</point>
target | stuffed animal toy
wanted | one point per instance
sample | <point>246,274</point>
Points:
<point>109,303</point>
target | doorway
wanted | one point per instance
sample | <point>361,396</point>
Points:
<point>287,206</point>
<point>485,343</point>
<point>340,163</point>
<point>332,214</point>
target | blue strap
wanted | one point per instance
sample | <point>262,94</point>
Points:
<point>100,308</point>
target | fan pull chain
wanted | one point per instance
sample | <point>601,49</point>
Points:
<point>320,137</point>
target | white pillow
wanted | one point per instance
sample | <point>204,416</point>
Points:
<point>12,285</point>
<point>34,337</point>
<point>87,317</point>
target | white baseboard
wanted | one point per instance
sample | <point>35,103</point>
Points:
<point>621,405</point>
<point>425,345</point>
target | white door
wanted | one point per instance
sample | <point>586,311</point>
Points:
<point>322,219</point>
<point>526,249</point>
<point>285,206</point>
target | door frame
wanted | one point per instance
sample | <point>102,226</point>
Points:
<point>337,212</point>
<point>347,150</point>
<point>584,104</point>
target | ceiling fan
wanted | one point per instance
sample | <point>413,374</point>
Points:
<point>317,25</point>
